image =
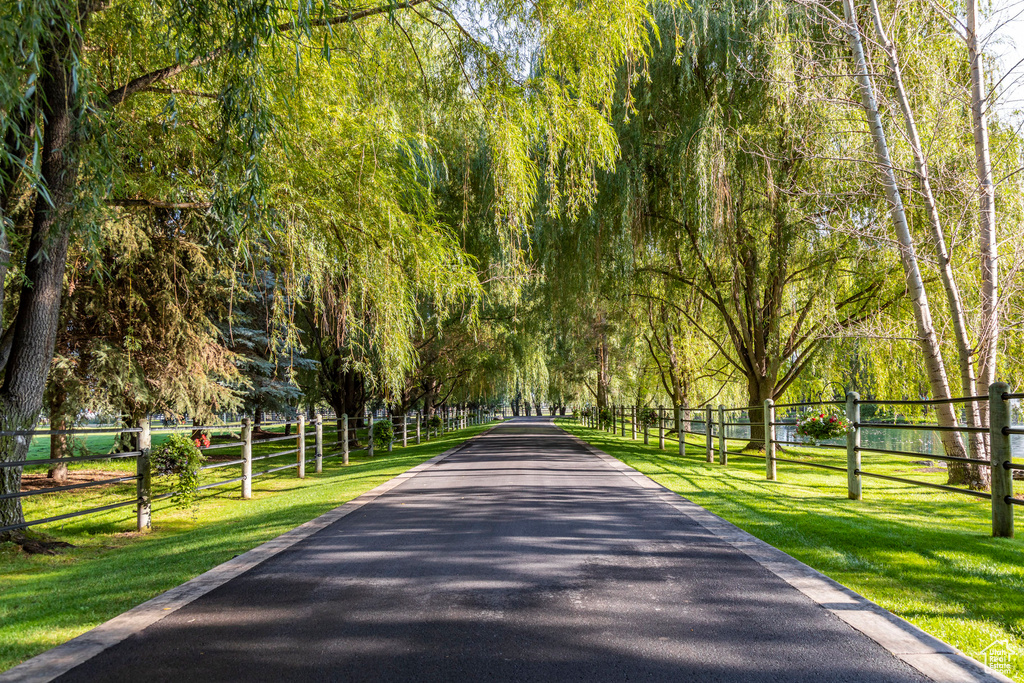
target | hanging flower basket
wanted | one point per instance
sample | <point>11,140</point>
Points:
<point>648,417</point>
<point>434,422</point>
<point>383,434</point>
<point>605,417</point>
<point>822,427</point>
<point>180,457</point>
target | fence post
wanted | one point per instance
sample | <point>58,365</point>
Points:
<point>647,429</point>
<point>391,442</point>
<point>1002,476</point>
<point>769,439</point>
<point>405,430</point>
<point>144,483</point>
<point>246,458</point>
<point>853,478</point>
<point>680,434</point>
<point>723,457</point>
<point>622,421</point>
<point>419,419</point>
<point>632,422</point>
<point>369,436</point>
<point>661,427</point>
<point>319,444</point>
<point>301,439</point>
<point>344,438</point>
<point>707,433</point>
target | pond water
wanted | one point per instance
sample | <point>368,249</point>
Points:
<point>911,441</point>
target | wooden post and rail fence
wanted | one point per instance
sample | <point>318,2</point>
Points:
<point>307,446</point>
<point>1002,463</point>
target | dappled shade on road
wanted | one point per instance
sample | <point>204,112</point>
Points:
<point>522,557</point>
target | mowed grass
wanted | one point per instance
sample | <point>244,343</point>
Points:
<point>923,554</point>
<point>46,600</point>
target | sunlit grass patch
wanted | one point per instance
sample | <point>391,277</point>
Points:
<point>46,600</point>
<point>923,554</point>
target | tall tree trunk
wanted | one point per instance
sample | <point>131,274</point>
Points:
<point>987,248</point>
<point>603,380</point>
<point>35,327</point>
<point>59,443</point>
<point>934,366</point>
<point>758,390</point>
<point>959,472</point>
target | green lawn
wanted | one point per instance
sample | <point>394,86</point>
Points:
<point>46,600</point>
<point>923,554</point>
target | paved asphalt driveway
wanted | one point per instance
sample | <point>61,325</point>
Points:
<point>521,557</point>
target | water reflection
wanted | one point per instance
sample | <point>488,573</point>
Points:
<point>925,443</point>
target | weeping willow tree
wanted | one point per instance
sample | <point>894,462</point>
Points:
<point>728,191</point>
<point>154,104</point>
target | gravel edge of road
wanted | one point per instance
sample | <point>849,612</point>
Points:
<point>57,661</point>
<point>930,656</point>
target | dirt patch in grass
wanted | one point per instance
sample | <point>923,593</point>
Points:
<point>35,482</point>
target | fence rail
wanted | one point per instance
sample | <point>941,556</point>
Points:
<point>680,420</point>
<point>406,428</point>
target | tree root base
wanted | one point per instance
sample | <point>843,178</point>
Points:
<point>34,545</point>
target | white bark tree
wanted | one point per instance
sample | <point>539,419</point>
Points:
<point>927,337</point>
<point>987,248</point>
<point>954,300</point>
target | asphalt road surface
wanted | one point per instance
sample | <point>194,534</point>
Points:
<point>522,557</point>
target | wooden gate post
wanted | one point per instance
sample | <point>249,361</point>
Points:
<point>661,427</point>
<point>723,457</point>
<point>405,430</point>
<point>632,422</point>
<point>144,484</point>
<point>680,434</point>
<point>419,419</point>
<point>344,438</point>
<point>769,439</point>
<point>369,436</point>
<point>300,439</point>
<point>853,478</point>
<point>709,455</point>
<point>319,444</point>
<point>1002,476</point>
<point>391,442</point>
<point>246,458</point>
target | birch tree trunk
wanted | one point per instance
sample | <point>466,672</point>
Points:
<point>928,339</point>
<point>959,472</point>
<point>987,248</point>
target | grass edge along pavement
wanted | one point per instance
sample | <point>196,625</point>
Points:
<point>47,600</point>
<point>922,554</point>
